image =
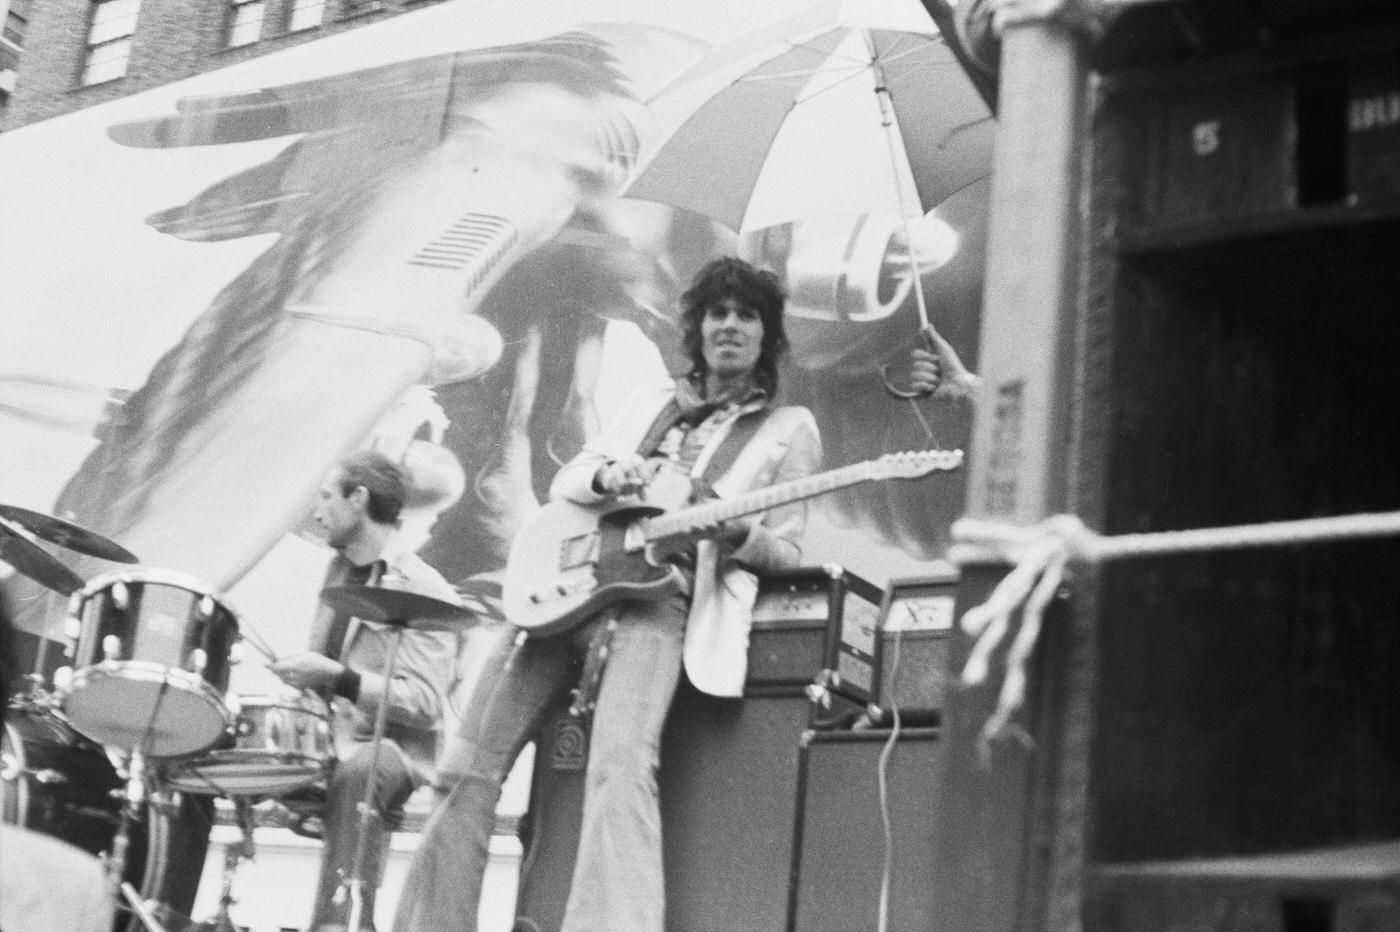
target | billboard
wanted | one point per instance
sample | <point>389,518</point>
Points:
<point>425,235</point>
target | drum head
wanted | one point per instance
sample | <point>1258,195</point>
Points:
<point>276,745</point>
<point>132,709</point>
<point>246,773</point>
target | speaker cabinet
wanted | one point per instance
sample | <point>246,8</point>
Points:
<point>839,856</point>
<point>728,780</point>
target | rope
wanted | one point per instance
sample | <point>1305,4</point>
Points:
<point>1041,554</point>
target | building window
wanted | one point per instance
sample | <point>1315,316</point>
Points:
<point>245,21</point>
<point>11,41</point>
<point>351,8</point>
<point>16,21</point>
<point>305,14</point>
<point>109,40</point>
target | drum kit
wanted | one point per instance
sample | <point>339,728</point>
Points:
<point>141,720</point>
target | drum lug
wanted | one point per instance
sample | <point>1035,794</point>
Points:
<point>48,776</point>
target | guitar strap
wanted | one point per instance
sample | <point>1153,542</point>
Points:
<point>664,420</point>
<point>734,442</point>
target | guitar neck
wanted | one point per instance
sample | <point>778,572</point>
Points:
<point>692,519</point>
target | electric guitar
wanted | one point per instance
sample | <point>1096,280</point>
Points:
<point>571,560</point>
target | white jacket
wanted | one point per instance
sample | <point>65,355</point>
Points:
<point>787,446</point>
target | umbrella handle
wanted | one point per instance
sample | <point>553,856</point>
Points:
<point>895,390</point>
<point>957,380</point>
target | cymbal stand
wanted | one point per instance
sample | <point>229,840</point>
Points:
<point>134,799</point>
<point>142,909</point>
<point>233,856</point>
<point>355,883</point>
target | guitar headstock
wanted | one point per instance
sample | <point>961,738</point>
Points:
<point>911,464</point>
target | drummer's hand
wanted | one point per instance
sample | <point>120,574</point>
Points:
<point>308,670</point>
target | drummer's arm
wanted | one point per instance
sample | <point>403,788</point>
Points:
<point>423,673</point>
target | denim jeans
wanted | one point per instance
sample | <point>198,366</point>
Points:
<point>393,784</point>
<point>617,883</point>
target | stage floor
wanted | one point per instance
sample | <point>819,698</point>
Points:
<point>273,892</point>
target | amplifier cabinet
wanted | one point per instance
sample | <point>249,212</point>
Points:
<point>839,850</point>
<point>912,658</point>
<point>811,619</point>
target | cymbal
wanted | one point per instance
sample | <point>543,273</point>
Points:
<point>31,560</point>
<point>398,607</point>
<point>66,535</point>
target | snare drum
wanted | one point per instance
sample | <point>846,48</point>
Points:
<point>276,744</point>
<point>150,651</point>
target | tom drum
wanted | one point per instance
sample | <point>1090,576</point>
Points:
<point>150,653</point>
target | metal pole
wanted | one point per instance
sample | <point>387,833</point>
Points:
<point>356,880</point>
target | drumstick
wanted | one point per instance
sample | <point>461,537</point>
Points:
<point>259,644</point>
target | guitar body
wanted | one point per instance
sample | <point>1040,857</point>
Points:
<point>570,561</point>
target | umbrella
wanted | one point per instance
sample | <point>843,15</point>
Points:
<point>889,116</point>
<point>844,121</point>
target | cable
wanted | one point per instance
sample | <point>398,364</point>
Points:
<point>887,870</point>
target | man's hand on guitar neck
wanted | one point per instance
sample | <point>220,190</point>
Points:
<point>730,535</point>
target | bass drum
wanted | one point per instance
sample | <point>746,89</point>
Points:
<point>57,782</point>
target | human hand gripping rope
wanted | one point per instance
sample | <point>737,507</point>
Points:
<point>1042,553</point>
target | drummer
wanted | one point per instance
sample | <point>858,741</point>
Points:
<point>358,511</point>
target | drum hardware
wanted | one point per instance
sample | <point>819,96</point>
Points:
<point>66,535</point>
<point>234,856</point>
<point>31,560</point>
<point>141,908</point>
<point>400,610</point>
<point>399,607</point>
<point>135,798</point>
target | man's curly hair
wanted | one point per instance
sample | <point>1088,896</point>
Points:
<point>732,277</point>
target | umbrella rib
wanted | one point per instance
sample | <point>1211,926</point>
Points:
<point>818,92</point>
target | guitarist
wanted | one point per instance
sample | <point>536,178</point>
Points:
<point>717,427</point>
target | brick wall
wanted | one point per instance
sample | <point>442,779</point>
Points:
<point>174,39</point>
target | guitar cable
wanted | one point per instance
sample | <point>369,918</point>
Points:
<point>886,822</point>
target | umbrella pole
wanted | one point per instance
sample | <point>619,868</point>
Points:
<point>956,376</point>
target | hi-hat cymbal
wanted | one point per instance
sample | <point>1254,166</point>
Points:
<point>66,535</point>
<point>398,607</point>
<point>29,559</point>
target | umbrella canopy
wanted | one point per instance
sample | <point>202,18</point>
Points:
<point>845,121</point>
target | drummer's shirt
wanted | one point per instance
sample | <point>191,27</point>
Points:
<point>366,575</point>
